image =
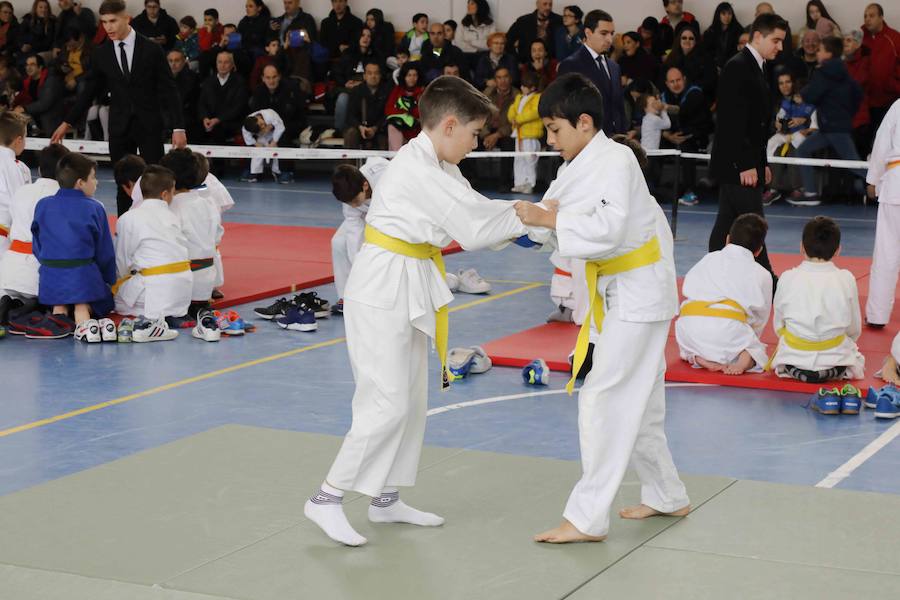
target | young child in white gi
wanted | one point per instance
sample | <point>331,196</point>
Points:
<point>607,217</point>
<point>884,181</point>
<point>13,173</point>
<point>817,316</point>
<point>221,197</point>
<point>396,299</point>
<point>152,260</point>
<point>728,299</point>
<point>354,188</point>
<point>262,128</point>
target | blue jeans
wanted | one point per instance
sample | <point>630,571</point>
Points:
<point>842,144</point>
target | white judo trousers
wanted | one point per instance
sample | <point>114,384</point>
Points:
<point>525,167</point>
<point>345,244</point>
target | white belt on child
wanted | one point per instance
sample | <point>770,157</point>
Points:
<point>804,345</point>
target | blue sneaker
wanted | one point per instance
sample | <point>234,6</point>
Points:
<point>536,372</point>
<point>851,400</point>
<point>888,405</point>
<point>460,361</point>
<point>298,318</point>
<point>689,199</point>
<point>871,399</point>
<point>826,401</point>
<point>285,178</point>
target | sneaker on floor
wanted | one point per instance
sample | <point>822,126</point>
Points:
<point>482,362</point>
<point>50,327</point>
<point>206,329</point>
<point>888,405</point>
<point>321,308</point>
<point>146,330</point>
<point>536,372</point>
<point>248,177</point>
<point>826,401</point>
<point>689,199</point>
<point>338,307</point>
<point>801,198</point>
<point>285,178</point>
<point>871,399</point>
<point>452,282</point>
<point>470,282</point>
<point>107,330</point>
<point>460,361</point>
<point>516,189</point>
<point>125,331</point>
<point>89,331</point>
<point>184,322</point>
<point>8,304</point>
<point>217,294</point>
<point>19,325</point>
<point>278,308</point>
<point>298,318</point>
<point>771,197</point>
<point>851,400</point>
<point>230,323</point>
<point>562,314</point>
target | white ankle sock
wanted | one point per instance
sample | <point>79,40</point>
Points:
<point>325,510</point>
<point>388,508</point>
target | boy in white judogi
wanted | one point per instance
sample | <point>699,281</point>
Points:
<point>152,261</point>
<point>354,188</point>
<point>608,218</point>
<point>884,176</point>
<point>13,173</point>
<point>262,128</point>
<point>817,314</point>
<point>728,299</point>
<point>395,300</point>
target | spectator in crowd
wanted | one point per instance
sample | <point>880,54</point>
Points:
<point>187,40</point>
<point>691,124</point>
<point>294,19</point>
<point>450,27</point>
<point>570,36</point>
<point>476,28</point>
<point>285,97</point>
<point>592,62</point>
<point>634,61</point>
<point>655,121</point>
<point>254,28</point>
<point>836,98</point>
<point>651,38</point>
<point>382,32</point>
<point>402,107</point>
<point>497,132</point>
<point>538,25</point>
<point>675,15</point>
<point>818,20</point>
<point>542,65</point>
<point>697,66</point>
<point>859,64</point>
<point>41,97</point>
<point>75,60</point>
<point>156,24</point>
<point>633,115</point>
<point>340,29</point>
<point>73,15</point>
<point>721,38</point>
<point>211,33</point>
<point>366,127</point>
<point>188,90</point>
<point>348,74</point>
<point>489,62</point>
<point>9,29</point>
<point>274,55</point>
<point>401,58</point>
<point>222,104</point>
<point>452,70</point>
<point>794,121</point>
<point>884,75</point>
<point>807,53</point>
<point>416,37</point>
<point>9,83</point>
<point>297,61</point>
<point>438,51</point>
<point>744,39</point>
<point>38,30</point>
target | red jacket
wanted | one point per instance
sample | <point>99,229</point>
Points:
<point>23,98</point>
<point>884,73</point>
<point>207,39</point>
<point>859,66</point>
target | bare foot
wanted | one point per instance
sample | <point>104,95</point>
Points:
<point>643,511</point>
<point>708,364</point>
<point>889,372</point>
<point>743,363</point>
<point>566,534</point>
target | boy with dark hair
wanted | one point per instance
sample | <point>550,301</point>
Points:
<point>263,129</point>
<point>817,316</point>
<point>127,172</point>
<point>72,242</point>
<point>598,209</point>
<point>396,299</point>
<point>13,173</point>
<point>728,298</point>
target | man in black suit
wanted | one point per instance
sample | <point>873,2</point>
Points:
<point>591,61</point>
<point>188,90</point>
<point>223,101</point>
<point>745,120</point>
<point>141,86</point>
<point>541,24</point>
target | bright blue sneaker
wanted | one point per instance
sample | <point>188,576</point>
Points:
<point>871,398</point>
<point>826,401</point>
<point>851,399</point>
<point>298,318</point>
<point>536,373</point>
<point>888,405</point>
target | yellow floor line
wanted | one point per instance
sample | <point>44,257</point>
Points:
<point>226,370</point>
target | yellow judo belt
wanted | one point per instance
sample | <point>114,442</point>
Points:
<point>798,343</point>
<point>175,267</point>
<point>644,256</point>
<point>698,308</point>
<point>422,252</point>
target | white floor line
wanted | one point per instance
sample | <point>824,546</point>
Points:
<point>846,469</point>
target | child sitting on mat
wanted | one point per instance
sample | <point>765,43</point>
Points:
<point>728,298</point>
<point>817,316</point>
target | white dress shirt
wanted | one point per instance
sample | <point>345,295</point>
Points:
<point>129,49</point>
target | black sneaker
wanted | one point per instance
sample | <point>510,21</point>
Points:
<point>320,307</point>
<point>277,309</point>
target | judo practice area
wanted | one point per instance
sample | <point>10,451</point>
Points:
<point>179,470</point>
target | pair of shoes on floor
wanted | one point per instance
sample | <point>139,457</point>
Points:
<point>689,199</point>
<point>834,401</point>
<point>299,317</point>
<point>467,281</point>
<point>562,314</point>
<point>463,361</point>
<point>801,198</point>
<point>280,308</point>
<point>885,401</point>
<point>207,327</point>
<point>536,372</point>
<point>94,331</point>
<point>39,326</point>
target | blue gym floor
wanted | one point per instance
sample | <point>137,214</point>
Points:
<point>152,394</point>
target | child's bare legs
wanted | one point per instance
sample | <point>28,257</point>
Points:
<point>82,313</point>
<point>743,363</point>
<point>395,138</point>
<point>889,371</point>
<point>708,364</point>
<point>643,511</point>
<point>60,309</point>
<point>566,533</point>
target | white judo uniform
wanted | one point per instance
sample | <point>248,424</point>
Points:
<point>201,224</point>
<point>817,301</point>
<point>727,274</point>
<point>389,311</point>
<point>884,174</point>
<point>606,211</point>
<point>567,285</point>
<point>268,138</point>
<point>19,269</point>
<point>150,236</point>
<point>13,175</point>
<point>348,239</point>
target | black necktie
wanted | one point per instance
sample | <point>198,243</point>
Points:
<point>124,58</point>
<point>602,66</point>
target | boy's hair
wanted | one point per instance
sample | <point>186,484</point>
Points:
<point>202,167</point>
<point>453,96</point>
<point>642,101</point>
<point>821,238</point>
<point>251,124</point>
<point>418,16</point>
<point>452,24</point>
<point>635,146</point>
<point>183,163</point>
<point>72,167</point>
<point>112,7</point>
<point>595,16</point>
<point>402,51</point>
<point>189,22</point>
<point>347,182</point>
<point>766,23</point>
<point>48,159</point>
<point>156,180</point>
<point>12,125</point>
<point>833,46</point>
<point>749,231</point>
<point>530,79</point>
<point>211,12</point>
<point>570,96</point>
<point>129,169</point>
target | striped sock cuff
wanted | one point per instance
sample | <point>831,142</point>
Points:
<point>386,499</point>
<point>323,497</point>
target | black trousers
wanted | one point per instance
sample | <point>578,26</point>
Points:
<point>734,201</point>
<point>133,141</point>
